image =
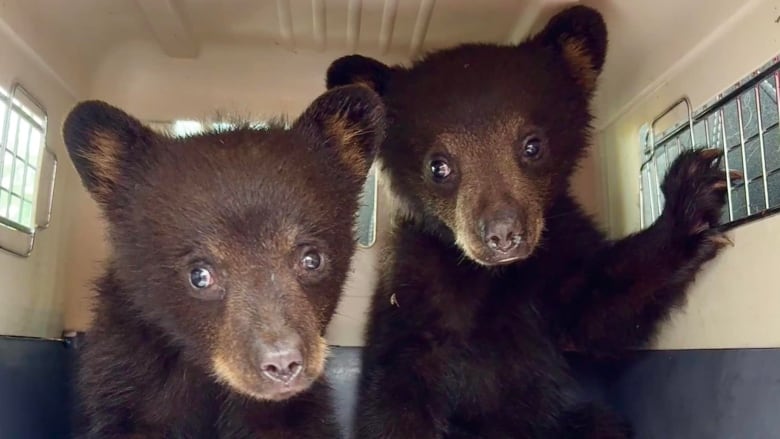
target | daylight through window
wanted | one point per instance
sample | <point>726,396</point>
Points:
<point>22,134</point>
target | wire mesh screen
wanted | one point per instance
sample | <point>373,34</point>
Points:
<point>743,122</point>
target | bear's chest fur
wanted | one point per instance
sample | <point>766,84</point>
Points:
<point>478,334</point>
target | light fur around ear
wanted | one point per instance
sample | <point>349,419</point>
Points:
<point>351,120</point>
<point>579,34</point>
<point>103,143</point>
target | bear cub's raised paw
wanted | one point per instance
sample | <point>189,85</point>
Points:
<point>695,192</point>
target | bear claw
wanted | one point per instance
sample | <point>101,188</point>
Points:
<point>735,175</point>
<point>695,190</point>
<point>720,185</point>
<point>722,240</point>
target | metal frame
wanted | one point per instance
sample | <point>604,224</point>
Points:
<point>715,106</point>
<point>41,222</point>
<point>651,154</point>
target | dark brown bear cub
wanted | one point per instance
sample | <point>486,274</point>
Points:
<point>230,250</point>
<point>482,141</point>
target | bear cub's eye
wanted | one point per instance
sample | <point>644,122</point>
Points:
<point>440,169</point>
<point>532,147</point>
<point>311,259</point>
<point>202,281</point>
<point>201,278</point>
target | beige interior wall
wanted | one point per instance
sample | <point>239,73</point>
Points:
<point>735,301</point>
<point>32,290</point>
<point>150,93</point>
<point>731,305</point>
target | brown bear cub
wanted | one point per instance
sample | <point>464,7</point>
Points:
<point>494,271</point>
<point>229,253</point>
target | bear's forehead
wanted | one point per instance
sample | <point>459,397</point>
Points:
<point>235,177</point>
<point>240,161</point>
<point>487,76</point>
<point>241,219</point>
<point>485,90</point>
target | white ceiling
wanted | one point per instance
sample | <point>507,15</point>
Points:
<point>181,27</point>
<point>74,37</point>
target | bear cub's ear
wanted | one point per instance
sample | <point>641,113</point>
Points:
<point>357,69</point>
<point>351,122</point>
<point>580,34</point>
<point>104,143</point>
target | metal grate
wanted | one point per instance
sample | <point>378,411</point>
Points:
<point>22,135</point>
<point>743,122</point>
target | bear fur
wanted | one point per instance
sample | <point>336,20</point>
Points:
<point>229,253</point>
<point>494,271</point>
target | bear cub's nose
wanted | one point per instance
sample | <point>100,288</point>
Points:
<point>503,233</point>
<point>282,365</point>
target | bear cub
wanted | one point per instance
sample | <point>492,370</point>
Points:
<point>229,253</point>
<point>494,271</point>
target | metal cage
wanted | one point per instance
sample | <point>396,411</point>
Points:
<point>743,122</point>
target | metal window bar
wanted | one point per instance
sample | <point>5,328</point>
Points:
<point>764,175</point>
<point>754,87</point>
<point>721,119</point>
<point>642,170</point>
<point>745,178</point>
<point>42,206</point>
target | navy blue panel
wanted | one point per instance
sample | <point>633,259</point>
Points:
<point>34,391</point>
<point>713,394</point>
<point>343,371</point>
